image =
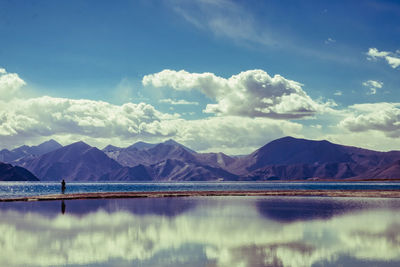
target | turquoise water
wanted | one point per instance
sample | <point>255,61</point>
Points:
<point>206,231</point>
<point>20,189</point>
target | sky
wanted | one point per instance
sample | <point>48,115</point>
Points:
<point>215,75</point>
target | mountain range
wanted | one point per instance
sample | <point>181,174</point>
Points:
<point>286,158</point>
<point>26,152</point>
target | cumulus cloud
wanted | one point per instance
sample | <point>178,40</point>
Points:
<point>392,58</point>
<point>252,93</point>
<point>383,117</point>
<point>46,116</point>
<point>373,86</point>
<point>178,102</point>
<point>232,134</point>
<point>10,83</point>
<point>100,123</point>
<point>255,109</point>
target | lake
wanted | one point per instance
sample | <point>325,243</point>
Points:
<point>21,189</point>
<point>202,231</point>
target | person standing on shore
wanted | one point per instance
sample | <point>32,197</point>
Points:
<point>63,186</point>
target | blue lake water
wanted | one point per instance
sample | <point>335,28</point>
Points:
<point>202,231</point>
<point>20,189</point>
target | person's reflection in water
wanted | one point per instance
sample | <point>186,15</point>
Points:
<point>63,207</point>
<point>63,186</point>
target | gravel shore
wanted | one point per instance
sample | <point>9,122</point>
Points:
<point>289,193</point>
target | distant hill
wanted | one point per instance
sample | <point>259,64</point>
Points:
<point>15,173</point>
<point>23,152</point>
<point>290,158</point>
<point>177,170</point>
<point>289,150</point>
<point>137,173</point>
<point>75,162</point>
<point>168,161</point>
<point>387,172</point>
<point>148,154</point>
<point>216,160</point>
<point>142,145</point>
<point>286,158</point>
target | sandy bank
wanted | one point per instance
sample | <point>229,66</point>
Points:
<point>315,193</point>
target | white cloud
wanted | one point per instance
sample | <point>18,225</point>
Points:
<point>47,116</point>
<point>371,139</point>
<point>232,135</point>
<point>178,102</point>
<point>330,41</point>
<point>100,123</point>
<point>33,120</point>
<point>338,93</point>
<point>374,53</point>
<point>251,93</point>
<point>26,121</point>
<point>394,61</point>
<point>372,91</point>
<point>316,126</point>
<point>392,58</point>
<point>10,83</point>
<point>382,117</point>
<point>373,86</point>
<point>372,83</point>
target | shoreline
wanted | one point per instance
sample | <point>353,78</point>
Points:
<point>261,193</point>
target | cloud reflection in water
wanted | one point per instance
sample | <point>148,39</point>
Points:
<point>200,231</point>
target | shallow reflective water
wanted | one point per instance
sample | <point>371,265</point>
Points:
<point>207,231</point>
<point>20,189</point>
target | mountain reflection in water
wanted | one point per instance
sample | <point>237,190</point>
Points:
<point>214,231</point>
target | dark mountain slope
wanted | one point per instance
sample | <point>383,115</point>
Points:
<point>28,151</point>
<point>176,170</point>
<point>289,150</point>
<point>388,172</point>
<point>148,154</point>
<point>215,159</point>
<point>75,162</point>
<point>15,173</point>
<point>291,158</point>
<point>137,173</point>
<point>283,159</point>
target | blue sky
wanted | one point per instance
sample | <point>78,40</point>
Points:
<point>343,55</point>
